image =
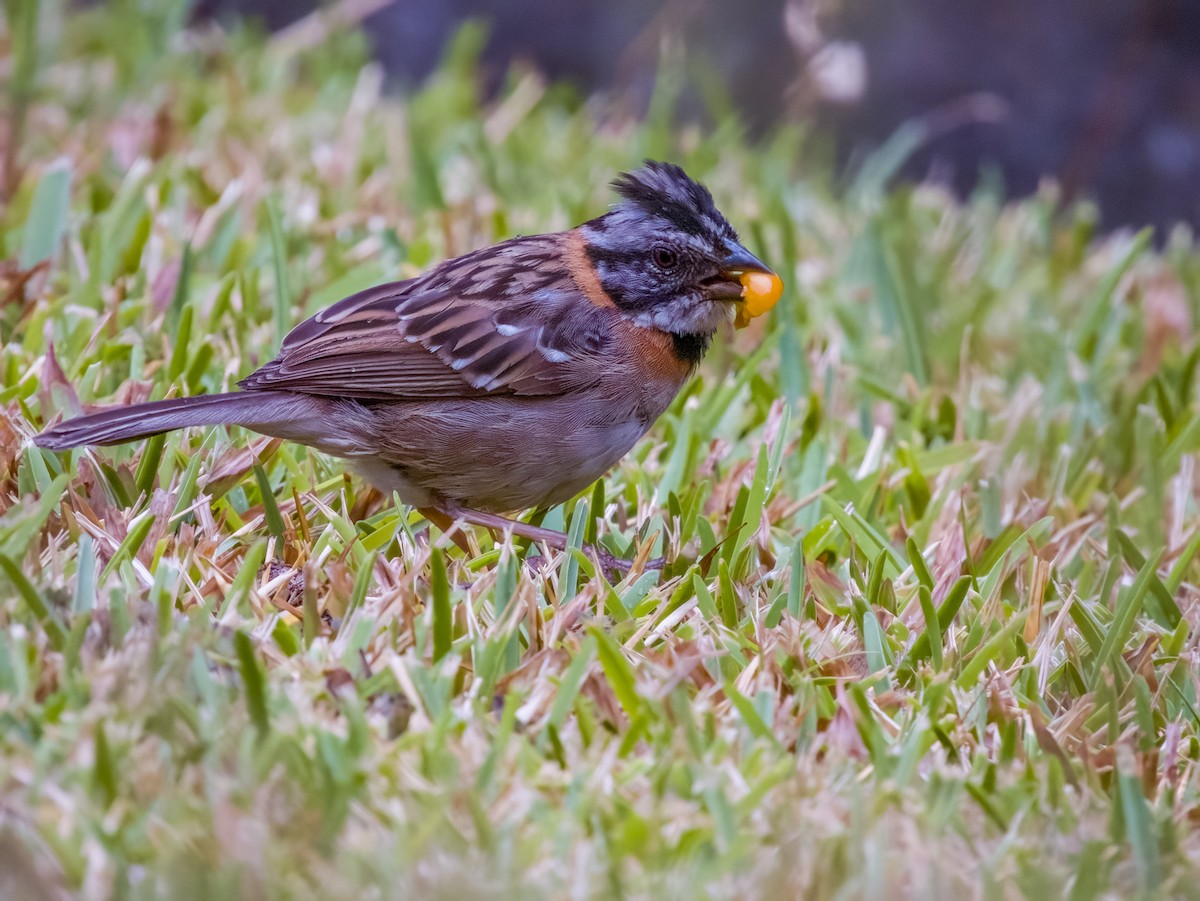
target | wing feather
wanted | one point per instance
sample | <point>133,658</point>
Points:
<point>458,331</point>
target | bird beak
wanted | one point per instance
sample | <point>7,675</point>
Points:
<point>739,260</point>
<point>760,287</point>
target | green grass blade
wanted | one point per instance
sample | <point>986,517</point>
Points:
<point>443,616</point>
<point>37,605</point>
<point>253,683</point>
<point>47,222</point>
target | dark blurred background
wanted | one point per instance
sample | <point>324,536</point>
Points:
<point>1101,95</point>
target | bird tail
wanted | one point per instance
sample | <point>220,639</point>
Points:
<point>266,412</point>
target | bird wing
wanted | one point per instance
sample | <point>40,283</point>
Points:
<point>507,319</point>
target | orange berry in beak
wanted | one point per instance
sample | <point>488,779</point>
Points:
<point>760,292</point>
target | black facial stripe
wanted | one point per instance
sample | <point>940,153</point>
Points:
<point>610,256</point>
<point>616,292</point>
<point>690,348</point>
<point>682,218</point>
<point>637,258</point>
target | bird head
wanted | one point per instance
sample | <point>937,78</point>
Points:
<point>669,259</point>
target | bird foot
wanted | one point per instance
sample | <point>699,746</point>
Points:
<point>449,518</point>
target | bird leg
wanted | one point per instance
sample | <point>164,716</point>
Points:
<point>500,524</point>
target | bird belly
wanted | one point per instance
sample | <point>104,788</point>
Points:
<point>500,455</point>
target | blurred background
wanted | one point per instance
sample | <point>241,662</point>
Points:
<point>1101,96</point>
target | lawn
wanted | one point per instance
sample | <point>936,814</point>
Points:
<point>929,624</point>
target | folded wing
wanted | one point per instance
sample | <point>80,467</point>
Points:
<point>504,320</point>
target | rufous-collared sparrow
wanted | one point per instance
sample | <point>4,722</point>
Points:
<point>509,378</point>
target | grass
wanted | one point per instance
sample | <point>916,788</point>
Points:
<point>931,621</point>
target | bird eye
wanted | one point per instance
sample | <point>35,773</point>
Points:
<point>665,258</point>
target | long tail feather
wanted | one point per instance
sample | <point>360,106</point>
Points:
<point>129,423</point>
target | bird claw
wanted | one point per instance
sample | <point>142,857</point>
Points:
<point>612,564</point>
